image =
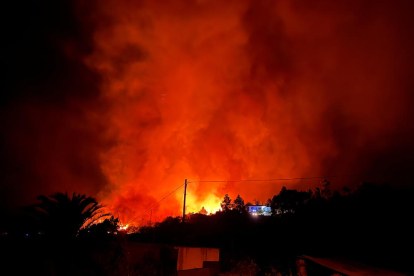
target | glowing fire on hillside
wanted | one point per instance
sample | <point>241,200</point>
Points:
<point>213,90</point>
<point>198,91</point>
<point>150,93</point>
<point>123,228</point>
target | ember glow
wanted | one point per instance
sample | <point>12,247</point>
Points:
<point>223,90</point>
<point>123,228</point>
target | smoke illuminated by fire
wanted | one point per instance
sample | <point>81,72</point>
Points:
<point>212,90</point>
<point>227,90</point>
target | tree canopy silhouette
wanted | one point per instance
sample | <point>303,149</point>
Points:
<point>289,201</point>
<point>64,216</point>
<point>239,204</point>
<point>226,203</point>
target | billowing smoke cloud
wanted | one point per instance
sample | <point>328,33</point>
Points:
<point>224,90</point>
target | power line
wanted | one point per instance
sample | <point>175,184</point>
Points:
<point>247,180</point>
<point>277,179</point>
<point>154,204</point>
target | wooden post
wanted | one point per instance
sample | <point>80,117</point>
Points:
<point>185,194</point>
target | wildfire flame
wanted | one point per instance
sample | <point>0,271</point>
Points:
<point>123,228</point>
<point>148,93</point>
<point>209,91</point>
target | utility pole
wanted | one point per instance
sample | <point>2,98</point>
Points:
<point>185,194</point>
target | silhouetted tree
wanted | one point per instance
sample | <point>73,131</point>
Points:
<point>239,204</point>
<point>326,191</point>
<point>346,191</point>
<point>101,229</point>
<point>316,193</point>
<point>226,203</point>
<point>203,211</point>
<point>61,215</point>
<point>289,201</point>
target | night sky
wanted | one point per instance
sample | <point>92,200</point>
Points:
<point>123,100</point>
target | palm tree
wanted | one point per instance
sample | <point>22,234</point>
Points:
<point>63,216</point>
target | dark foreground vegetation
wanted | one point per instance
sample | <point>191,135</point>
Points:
<point>371,224</point>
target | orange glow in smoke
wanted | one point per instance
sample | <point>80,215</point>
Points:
<point>226,90</point>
